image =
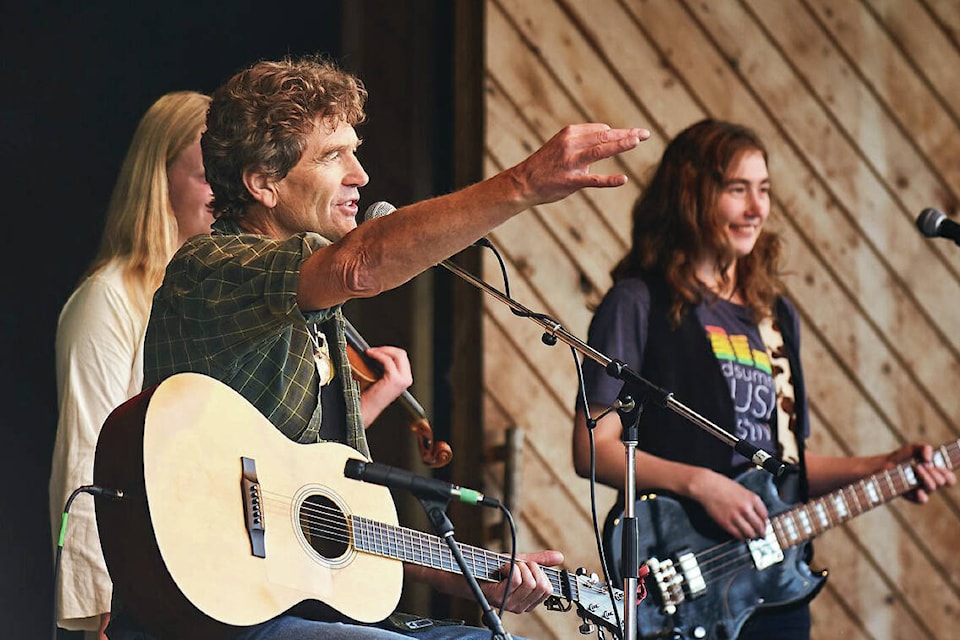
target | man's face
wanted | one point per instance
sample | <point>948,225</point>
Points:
<point>321,192</point>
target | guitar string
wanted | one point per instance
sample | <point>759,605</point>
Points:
<point>708,558</point>
<point>710,571</point>
<point>329,524</point>
<point>895,480</point>
<point>491,563</point>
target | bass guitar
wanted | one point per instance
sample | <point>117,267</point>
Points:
<point>705,585</point>
<point>225,523</point>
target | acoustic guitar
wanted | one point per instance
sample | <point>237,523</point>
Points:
<point>225,523</point>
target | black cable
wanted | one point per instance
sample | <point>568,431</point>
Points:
<point>591,423</point>
<point>550,340</point>
<point>94,490</point>
<point>513,558</point>
<point>547,338</point>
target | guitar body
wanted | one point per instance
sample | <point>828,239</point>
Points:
<point>180,546</point>
<point>732,589</point>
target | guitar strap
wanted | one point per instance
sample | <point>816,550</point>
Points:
<point>786,399</point>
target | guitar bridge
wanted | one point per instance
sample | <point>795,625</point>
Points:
<point>766,551</point>
<point>676,581</point>
<point>669,583</point>
<point>253,507</point>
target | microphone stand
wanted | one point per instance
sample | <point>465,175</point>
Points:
<point>436,513</point>
<point>649,392</point>
<point>633,380</point>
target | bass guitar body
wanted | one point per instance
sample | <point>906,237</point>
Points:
<point>703,584</point>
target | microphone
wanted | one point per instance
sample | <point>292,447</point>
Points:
<point>378,210</point>
<point>934,223</point>
<point>420,486</point>
<point>382,208</point>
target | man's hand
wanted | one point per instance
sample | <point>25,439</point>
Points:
<point>397,377</point>
<point>562,165</point>
<point>529,585</point>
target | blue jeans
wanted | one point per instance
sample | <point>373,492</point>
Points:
<point>294,628</point>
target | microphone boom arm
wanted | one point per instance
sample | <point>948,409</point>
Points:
<point>620,371</point>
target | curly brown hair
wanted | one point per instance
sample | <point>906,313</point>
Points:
<point>261,118</point>
<point>675,221</point>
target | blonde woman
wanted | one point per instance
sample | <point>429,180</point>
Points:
<point>160,199</point>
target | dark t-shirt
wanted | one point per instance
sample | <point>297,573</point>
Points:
<point>619,331</point>
<point>743,359</point>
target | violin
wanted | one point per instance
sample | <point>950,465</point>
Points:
<point>366,371</point>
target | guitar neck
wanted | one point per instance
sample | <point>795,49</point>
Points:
<point>416,547</point>
<point>803,522</point>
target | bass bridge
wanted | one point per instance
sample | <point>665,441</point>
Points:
<point>677,580</point>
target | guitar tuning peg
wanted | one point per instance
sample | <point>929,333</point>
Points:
<point>586,628</point>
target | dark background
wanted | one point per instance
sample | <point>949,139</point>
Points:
<point>77,78</point>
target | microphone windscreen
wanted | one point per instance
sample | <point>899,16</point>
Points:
<point>354,468</point>
<point>929,221</point>
<point>378,210</point>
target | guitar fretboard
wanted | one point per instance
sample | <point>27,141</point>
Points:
<point>410,545</point>
<point>803,522</point>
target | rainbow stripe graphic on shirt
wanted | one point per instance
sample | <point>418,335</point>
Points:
<point>736,348</point>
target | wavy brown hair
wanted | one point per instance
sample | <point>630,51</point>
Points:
<point>675,221</point>
<point>261,117</point>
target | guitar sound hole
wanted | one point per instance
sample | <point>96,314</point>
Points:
<point>324,526</point>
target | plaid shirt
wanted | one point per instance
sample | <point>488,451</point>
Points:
<point>227,308</point>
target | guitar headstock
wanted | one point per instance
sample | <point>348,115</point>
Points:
<point>595,601</point>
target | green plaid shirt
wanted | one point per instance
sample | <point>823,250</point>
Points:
<point>227,308</point>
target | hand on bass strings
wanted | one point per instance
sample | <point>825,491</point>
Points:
<point>739,511</point>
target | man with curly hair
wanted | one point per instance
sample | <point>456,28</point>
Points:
<point>257,304</point>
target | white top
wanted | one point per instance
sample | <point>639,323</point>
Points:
<point>99,358</point>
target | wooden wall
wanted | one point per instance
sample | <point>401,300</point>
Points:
<point>858,102</point>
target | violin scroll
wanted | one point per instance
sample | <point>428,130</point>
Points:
<point>433,453</point>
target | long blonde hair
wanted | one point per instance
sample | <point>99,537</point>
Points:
<point>140,230</point>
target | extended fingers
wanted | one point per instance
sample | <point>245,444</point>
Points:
<point>590,143</point>
<point>604,142</point>
<point>933,477</point>
<point>746,518</point>
<point>757,517</point>
<point>610,142</point>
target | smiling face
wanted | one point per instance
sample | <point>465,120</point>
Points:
<point>189,193</point>
<point>743,204</point>
<point>322,190</point>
